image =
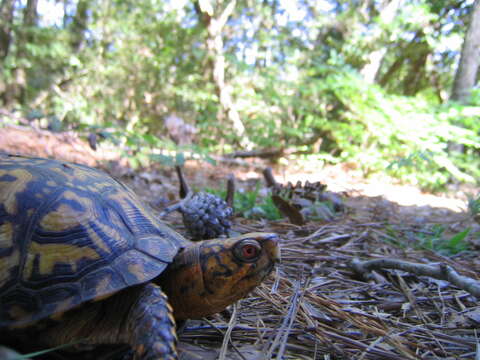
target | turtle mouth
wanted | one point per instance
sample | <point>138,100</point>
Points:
<point>271,266</point>
<point>264,271</point>
<point>273,248</point>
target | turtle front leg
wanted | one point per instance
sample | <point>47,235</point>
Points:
<point>150,328</point>
<point>140,317</point>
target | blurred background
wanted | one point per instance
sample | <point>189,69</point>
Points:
<point>387,86</point>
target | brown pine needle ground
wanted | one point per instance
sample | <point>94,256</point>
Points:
<point>317,307</point>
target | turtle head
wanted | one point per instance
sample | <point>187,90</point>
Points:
<point>210,275</point>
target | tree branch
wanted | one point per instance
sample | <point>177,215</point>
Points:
<point>437,271</point>
<point>222,20</point>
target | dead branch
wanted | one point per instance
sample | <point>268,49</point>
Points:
<point>229,197</point>
<point>262,154</point>
<point>437,271</point>
<point>184,188</point>
<point>269,178</point>
<point>237,162</point>
<point>272,153</point>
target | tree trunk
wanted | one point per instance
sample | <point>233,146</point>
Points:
<point>412,83</point>
<point>6,21</point>
<point>387,15</point>
<point>466,74</point>
<point>30,15</point>
<point>15,90</point>
<point>410,55</point>
<point>215,21</point>
<point>79,25</point>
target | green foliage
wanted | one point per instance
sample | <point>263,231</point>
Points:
<point>251,205</point>
<point>474,205</point>
<point>434,239</point>
<point>296,84</point>
<point>408,137</point>
<point>141,148</point>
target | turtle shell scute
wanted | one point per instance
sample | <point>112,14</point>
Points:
<point>70,234</point>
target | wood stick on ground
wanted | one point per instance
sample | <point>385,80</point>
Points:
<point>282,335</point>
<point>219,331</point>
<point>228,333</point>
<point>437,271</point>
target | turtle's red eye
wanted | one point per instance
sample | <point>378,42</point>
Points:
<point>250,251</point>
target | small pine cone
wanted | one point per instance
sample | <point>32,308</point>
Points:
<point>206,216</point>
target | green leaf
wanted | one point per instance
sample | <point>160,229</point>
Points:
<point>163,159</point>
<point>455,241</point>
<point>180,158</point>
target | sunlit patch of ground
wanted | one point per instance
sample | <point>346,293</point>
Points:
<point>344,177</point>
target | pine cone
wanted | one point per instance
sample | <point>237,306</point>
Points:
<point>206,216</point>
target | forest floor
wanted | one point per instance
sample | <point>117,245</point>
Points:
<point>317,304</point>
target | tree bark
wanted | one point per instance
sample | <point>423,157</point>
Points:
<point>412,83</point>
<point>15,91</point>
<point>79,25</point>
<point>214,21</point>
<point>411,52</point>
<point>6,22</point>
<point>467,70</point>
<point>30,15</point>
<point>387,15</point>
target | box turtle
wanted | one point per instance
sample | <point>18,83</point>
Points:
<point>83,259</point>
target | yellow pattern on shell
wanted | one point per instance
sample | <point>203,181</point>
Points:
<point>6,235</point>
<point>51,254</point>
<point>12,260</point>
<point>65,217</point>
<point>97,240</point>
<point>28,267</point>
<point>81,175</point>
<point>30,212</point>
<point>123,199</point>
<point>8,198</point>
<point>103,285</point>
<point>138,271</point>
<point>70,195</point>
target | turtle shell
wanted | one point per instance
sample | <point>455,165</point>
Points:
<point>69,234</point>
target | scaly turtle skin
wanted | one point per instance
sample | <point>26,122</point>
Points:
<point>81,258</point>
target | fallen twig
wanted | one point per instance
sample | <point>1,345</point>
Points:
<point>284,331</point>
<point>226,338</point>
<point>437,271</point>
<point>176,206</point>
